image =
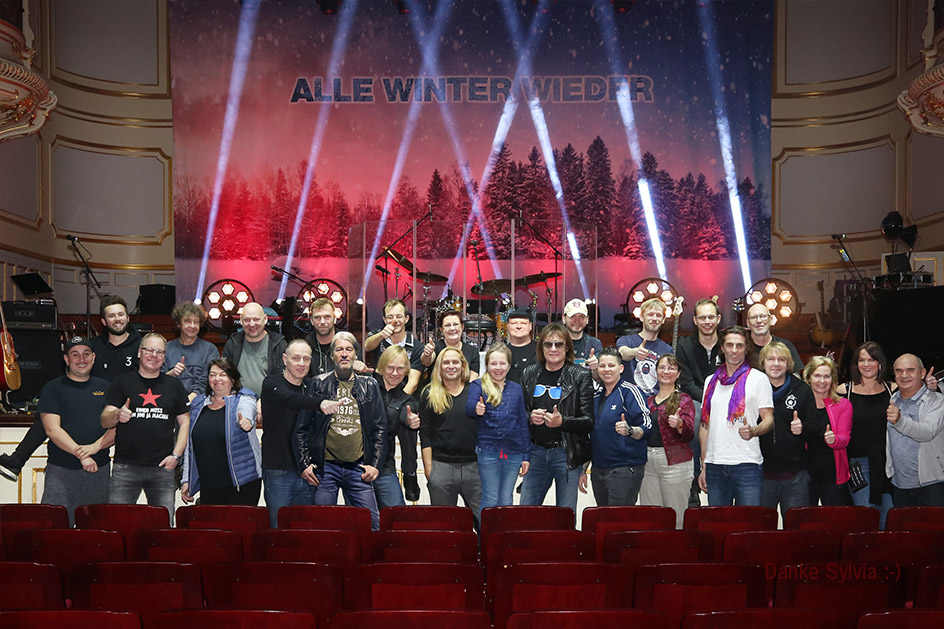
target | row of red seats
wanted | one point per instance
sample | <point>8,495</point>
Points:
<point>149,588</point>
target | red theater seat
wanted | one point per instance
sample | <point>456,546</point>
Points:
<point>411,619</point>
<point>329,518</point>
<point>429,546</point>
<point>339,548</point>
<point>709,525</point>
<point>763,619</point>
<point>26,585</point>
<point>526,518</point>
<point>588,619</point>
<point>126,519</point>
<point>931,587</point>
<point>604,520</point>
<point>915,519</point>
<point>309,588</point>
<point>69,619</point>
<point>426,517</point>
<point>198,546</point>
<point>636,548</point>
<point>231,619</point>
<point>514,547</point>
<point>240,518</point>
<point>842,519</point>
<point>681,588</point>
<point>69,547</point>
<point>142,587</point>
<point>415,586</point>
<point>902,619</point>
<point>16,517</point>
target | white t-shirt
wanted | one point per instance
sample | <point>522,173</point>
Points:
<point>725,446</point>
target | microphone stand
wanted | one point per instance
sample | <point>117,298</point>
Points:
<point>427,216</point>
<point>89,278</point>
<point>865,288</point>
<point>557,256</point>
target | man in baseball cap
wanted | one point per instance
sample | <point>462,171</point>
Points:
<point>586,348</point>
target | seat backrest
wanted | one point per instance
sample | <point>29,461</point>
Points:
<point>711,524</point>
<point>902,619</point>
<point>311,588</point>
<point>915,519</point>
<point>844,519</point>
<point>243,519</point>
<point>232,619</point>
<point>681,588</point>
<point>198,546</point>
<point>329,518</point>
<point>16,517</point>
<point>766,618</point>
<point>68,547</point>
<point>69,619</point>
<point>636,548</point>
<point>27,585</point>
<point>526,518</point>
<point>143,587</point>
<point>426,517</point>
<point>415,586</point>
<point>559,586</point>
<point>930,592</point>
<point>582,619</point>
<point>429,546</point>
<point>126,519</point>
<point>414,619</point>
<point>340,548</point>
<point>919,548</point>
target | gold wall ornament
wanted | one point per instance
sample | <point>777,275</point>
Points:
<point>25,99</point>
<point>923,101</point>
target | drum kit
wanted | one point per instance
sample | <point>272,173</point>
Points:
<point>493,299</point>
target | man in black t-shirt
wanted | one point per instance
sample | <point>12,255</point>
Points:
<point>143,407</point>
<point>523,348</point>
<point>115,352</point>
<point>70,408</point>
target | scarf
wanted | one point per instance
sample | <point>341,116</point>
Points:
<point>781,391</point>
<point>737,403</point>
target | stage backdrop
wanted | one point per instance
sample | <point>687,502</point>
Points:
<point>407,118</point>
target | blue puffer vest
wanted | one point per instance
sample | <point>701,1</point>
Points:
<point>243,452</point>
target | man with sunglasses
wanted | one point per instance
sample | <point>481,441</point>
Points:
<point>559,398</point>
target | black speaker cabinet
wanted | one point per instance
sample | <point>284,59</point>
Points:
<point>39,355</point>
<point>156,299</point>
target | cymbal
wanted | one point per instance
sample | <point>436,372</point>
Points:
<point>400,259</point>
<point>535,278</point>
<point>492,286</point>
<point>428,277</point>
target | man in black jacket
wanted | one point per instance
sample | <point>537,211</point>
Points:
<point>255,351</point>
<point>559,397</point>
<point>343,448</point>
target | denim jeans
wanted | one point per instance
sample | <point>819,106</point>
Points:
<point>788,493</point>
<point>733,484</point>
<point>549,465</point>
<point>861,498</point>
<point>928,496</point>
<point>499,476</point>
<point>338,476</point>
<point>387,490</point>
<point>282,488</point>
<point>158,484</point>
<point>616,486</point>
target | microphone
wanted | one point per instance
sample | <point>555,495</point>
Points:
<point>72,238</point>
<point>837,236</point>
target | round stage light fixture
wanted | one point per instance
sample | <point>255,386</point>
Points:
<point>224,301</point>
<point>316,289</point>
<point>646,289</point>
<point>778,296</point>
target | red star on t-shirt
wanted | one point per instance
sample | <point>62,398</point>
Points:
<point>149,398</point>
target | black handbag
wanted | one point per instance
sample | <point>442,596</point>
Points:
<point>857,479</point>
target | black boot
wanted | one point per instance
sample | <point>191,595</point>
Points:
<point>411,488</point>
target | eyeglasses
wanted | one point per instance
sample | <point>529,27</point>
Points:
<point>758,318</point>
<point>152,351</point>
<point>553,344</point>
<point>553,392</point>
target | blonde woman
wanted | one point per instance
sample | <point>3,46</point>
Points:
<point>827,462</point>
<point>448,434</point>
<point>504,444</point>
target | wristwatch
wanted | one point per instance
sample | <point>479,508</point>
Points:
<point>179,458</point>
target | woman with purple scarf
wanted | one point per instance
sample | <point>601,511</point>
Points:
<point>737,407</point>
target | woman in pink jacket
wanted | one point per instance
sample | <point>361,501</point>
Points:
<point>827,462</point>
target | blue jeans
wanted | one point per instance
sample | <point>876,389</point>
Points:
<point>498,477</point>
<point>283,488</point>
<point>861,498</point>
<point>550,465</point>
<point>387,490</point>
<point>788,493</point>
<point>733,484</point>
<point>338,476</point>
<point>128,481</point>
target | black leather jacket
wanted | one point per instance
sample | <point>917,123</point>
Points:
<point>575,406</point>
<point>311,429</point>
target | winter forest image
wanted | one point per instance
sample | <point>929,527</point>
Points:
<point>256,215</point>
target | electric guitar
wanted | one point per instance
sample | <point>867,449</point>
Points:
<point>676,312</point>
<point>819,333</point>
<point>10,374</point>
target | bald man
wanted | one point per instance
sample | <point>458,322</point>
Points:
<point>759,321</point>
<point>914,449</point>
<point>255,351</point>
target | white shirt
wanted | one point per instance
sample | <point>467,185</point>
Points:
<point>725,446</point>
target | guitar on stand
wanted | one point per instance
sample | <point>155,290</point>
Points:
<point>819,333</point>
<point>676,312</point>
<point>10,379</point>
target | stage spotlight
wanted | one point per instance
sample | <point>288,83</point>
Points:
<point>329,7</point>
<point>622,6</point>
<point>225,300</point>
<point>316,289</point>
<point>779,297</point>
<point>892,225</point>
<point>646,289</point>
<point>909,236</point>
<point>402,9</point>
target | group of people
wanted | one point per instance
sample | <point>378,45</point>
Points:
<point>728,414</point>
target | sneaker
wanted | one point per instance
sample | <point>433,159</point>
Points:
<point>411,488</point>
<point>8,468</point>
